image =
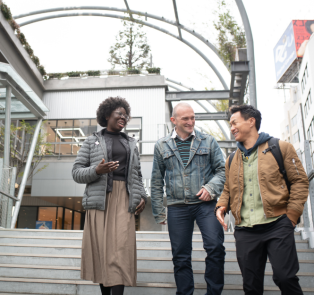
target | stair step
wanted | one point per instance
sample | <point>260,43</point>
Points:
<point>303,254</point>
<point>141,242</point>
<point>142,262</point>
<point>79,233</point>
<point>144,275</point>
<point>70,287</point>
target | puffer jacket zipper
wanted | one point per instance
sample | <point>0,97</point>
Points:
<point>293,161</point>
<point>260,192</point>
<point>101,144</point>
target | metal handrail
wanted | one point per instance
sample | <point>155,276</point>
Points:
<point>9,196</point>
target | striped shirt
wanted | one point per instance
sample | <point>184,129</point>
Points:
<point>184,147</point>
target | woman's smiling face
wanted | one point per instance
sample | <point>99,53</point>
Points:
<point>117,120</point>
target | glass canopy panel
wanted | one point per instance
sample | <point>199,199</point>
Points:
<point>18,79</point>
<point>16,106</point>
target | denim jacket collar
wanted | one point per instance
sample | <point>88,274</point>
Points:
<point>196,141</point>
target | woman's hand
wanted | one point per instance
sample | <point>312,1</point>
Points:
<point>140,207</point>
<point>104,167</point>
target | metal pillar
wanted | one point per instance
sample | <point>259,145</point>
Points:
<point>7,128</point>
<point>25,175</point>
<point>250,52</point>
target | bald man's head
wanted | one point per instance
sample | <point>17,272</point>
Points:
<point>183,118</point>
<point>178,107</point>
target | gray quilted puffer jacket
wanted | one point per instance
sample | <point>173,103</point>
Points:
<point>90,155</point>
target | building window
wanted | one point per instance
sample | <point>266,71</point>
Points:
<point>307,104</point>
<point>67,136</point>
<point>50,218</point>
<point>287,128</point>
<point>303,81</point>
<point>294,121</point>
<point>296,137</point>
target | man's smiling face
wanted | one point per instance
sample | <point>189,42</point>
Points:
<point>240,128</point>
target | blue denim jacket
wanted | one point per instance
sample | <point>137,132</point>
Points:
<point>205,168</point>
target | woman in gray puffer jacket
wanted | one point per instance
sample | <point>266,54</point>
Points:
<point>108,162</point>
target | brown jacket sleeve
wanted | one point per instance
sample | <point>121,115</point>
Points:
<point>298,179</point>
<point>224,198</point>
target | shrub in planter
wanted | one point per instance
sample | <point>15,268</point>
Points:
<point>35,60</point>
<point>74,74</point>
<point>6,11</point>
<point>29,49</point>
<point>55,75</point>
<point>14,24</point>
<point>22,38</point>
<point>133,71</point>
<point>153,70</point>
<point>93,73</point>
<point>112,72</point>
<point>42,70</point>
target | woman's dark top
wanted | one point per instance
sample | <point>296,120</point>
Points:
<point>119,153</point>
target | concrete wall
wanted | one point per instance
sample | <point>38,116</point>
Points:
<point>146,103</point>
<point>13,51</point>
<point>110,82</point>
<point>56,181</point>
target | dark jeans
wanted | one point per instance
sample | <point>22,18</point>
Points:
<point>181,225</point>
<point>277,242</point>
<point>114,290</point>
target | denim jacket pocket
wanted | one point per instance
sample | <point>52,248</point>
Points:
<point>201,156</point>
<point>168,157</point>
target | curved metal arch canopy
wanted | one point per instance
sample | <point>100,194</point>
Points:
<point>140,22</point>
<point>200,103</point>
<point>136,12</point>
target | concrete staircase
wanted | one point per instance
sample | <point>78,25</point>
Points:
<point>48,262</point>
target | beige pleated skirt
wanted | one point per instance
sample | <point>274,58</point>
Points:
<point>109,242</point>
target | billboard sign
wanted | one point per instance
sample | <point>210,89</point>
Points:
<point>303,29</point>
<point>292,45</point>
<point>285,52</point>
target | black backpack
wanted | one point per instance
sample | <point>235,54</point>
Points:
<point>273,147</point>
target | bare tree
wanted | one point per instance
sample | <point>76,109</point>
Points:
<point>131,50</point>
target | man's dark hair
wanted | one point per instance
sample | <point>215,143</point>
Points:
<point>308,26</point>
<point>247,112</point>
<point>108,106</point>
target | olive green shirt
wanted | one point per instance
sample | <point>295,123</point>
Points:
<point>252,211</point>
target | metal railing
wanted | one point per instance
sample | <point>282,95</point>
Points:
<point>7,187</point>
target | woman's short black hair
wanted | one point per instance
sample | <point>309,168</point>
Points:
<point>108,106</point>
<point>247,112</point>
<point>308,26</point>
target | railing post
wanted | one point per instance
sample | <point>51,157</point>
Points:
<point>308,213</point>
<point>25,175</point>
<point>7,128</point>
<point>12,193</point>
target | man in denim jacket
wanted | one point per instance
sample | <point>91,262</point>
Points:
<point>192,165</point>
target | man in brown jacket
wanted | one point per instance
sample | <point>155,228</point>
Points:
<point>265,213</point>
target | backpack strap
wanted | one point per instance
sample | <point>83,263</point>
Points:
<point>230,161</point>
<point>274,148</point>
<point>231,157</point>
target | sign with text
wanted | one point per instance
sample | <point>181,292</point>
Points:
<point>43,224</point>
<point>292,45</point>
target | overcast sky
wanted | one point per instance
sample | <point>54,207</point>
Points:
<point>82,43</point>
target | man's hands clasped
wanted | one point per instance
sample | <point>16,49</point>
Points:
<point>204,195</point>
<point>104,167</point>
